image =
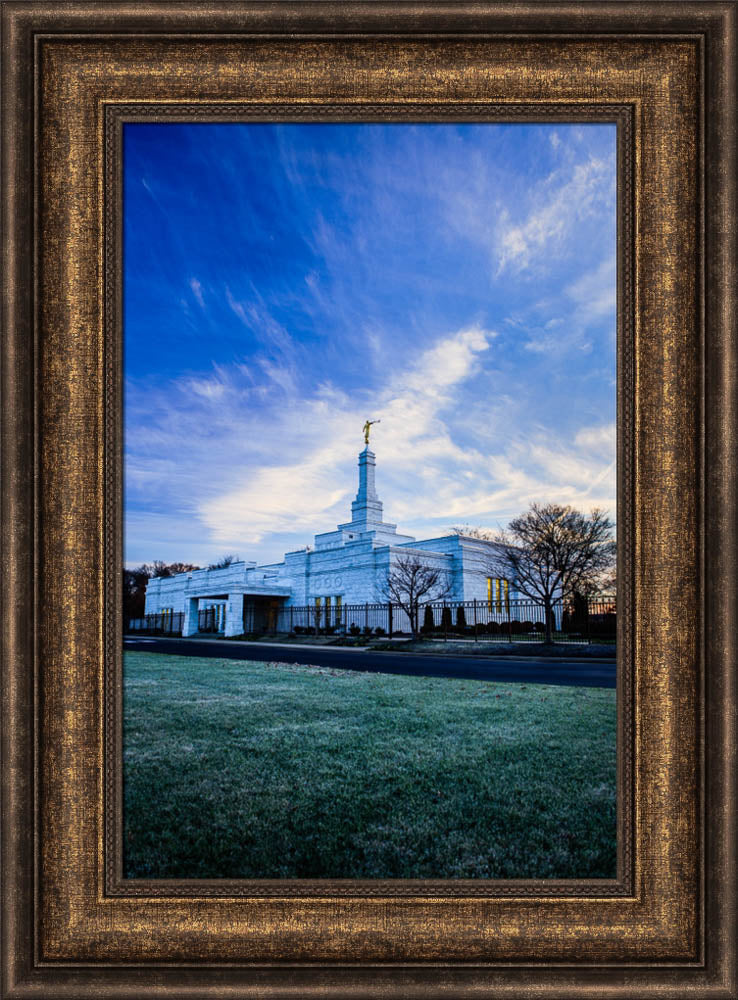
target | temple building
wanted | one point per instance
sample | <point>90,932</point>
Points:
<point>343,568</point>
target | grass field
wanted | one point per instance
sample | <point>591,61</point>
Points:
<point>238,769</point>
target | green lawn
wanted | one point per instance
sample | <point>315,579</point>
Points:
<point>236,769</point>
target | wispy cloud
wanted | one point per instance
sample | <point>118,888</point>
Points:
<point>238,308</point>
<point>197,291</point>
<point>566,197</point>
<point>594,293</point>
<point>586,310</point>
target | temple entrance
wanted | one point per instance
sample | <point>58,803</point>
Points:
<point>211,614</point>
<point>261,614</point>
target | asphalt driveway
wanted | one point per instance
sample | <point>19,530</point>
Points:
<point>525,670</point>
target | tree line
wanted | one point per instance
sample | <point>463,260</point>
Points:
<point>136,580</point>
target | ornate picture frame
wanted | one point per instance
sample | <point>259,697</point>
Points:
<point>72,74</point>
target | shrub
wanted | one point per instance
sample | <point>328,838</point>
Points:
<point>460,619</point>
<point>493,628</point>
<point>299,629</point>
<point>603,624</point>
<point>354,629</point>
<point>428,622</point>
<point>539,627</point>
<point>526,627</point>
<point>446,624</point>
<point>367,630</point>
<point>379,630</point>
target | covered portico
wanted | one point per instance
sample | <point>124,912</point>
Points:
<point>247,609</point>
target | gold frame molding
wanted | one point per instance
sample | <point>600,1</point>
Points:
<point>71,73</point>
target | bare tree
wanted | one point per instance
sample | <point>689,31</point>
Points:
<point>224,562</point>
<point>473,531</point>
<point>552,552</point>
<point>604,585</point>
<point>134,592</point>
<point>135,582</point>
<point>411,581</point>
<point>158,568</point>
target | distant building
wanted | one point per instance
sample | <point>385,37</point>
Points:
<point>348,566</point>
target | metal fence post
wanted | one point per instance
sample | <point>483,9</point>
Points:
<point>476,637</point>
<point>389,618</point>
<point>366,615</point>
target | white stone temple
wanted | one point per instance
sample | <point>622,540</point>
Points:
<point>344,567</point>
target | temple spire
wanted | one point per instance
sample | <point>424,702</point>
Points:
<point>366,510</point>
<point>367,522</point>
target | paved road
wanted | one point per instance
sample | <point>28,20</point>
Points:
<point>577,672</point>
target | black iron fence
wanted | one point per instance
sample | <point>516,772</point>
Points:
<point>208,620</point>
<point>582,620</point>
<point>164,623</point>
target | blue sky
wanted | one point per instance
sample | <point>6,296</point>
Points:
<point>282,283</point>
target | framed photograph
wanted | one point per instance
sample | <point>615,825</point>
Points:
<point>369,500</point>
<point>417,685</point>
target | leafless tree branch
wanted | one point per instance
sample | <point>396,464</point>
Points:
<point>553,552</point>
<point>411,582</point>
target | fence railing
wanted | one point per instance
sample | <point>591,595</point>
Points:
<point>513,621</point>
<point>165,623</point>
<point>583,620</point>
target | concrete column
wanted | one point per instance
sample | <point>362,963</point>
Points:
<point>189,626</point>
<point>234,615</point>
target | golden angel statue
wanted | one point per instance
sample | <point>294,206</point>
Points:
<point>367,427</point>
